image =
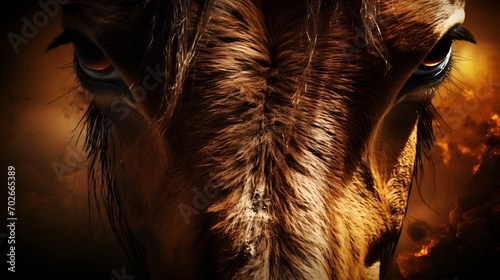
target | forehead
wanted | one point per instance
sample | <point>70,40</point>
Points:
<point>440,14</point>
<point>122,28</point>
<point>123,17</point>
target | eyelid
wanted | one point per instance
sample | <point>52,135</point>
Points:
<point>109,75</point>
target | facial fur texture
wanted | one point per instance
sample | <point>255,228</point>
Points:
<point>274,148</point>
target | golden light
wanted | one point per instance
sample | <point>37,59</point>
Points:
<point>464,150</point>
<point>495,131</point>
<point>473,61</point>
<point>445,151</point>
<point>475,168</point>
<point>425,249</point>
<point>495,121</point>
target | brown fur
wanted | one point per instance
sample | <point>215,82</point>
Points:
<point>281,114</point>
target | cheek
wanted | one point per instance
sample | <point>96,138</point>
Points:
<point>398,177</point>
<point>399,180</point>
<point>394,142</point>
<point>139,171</point>
<point>392,158</point>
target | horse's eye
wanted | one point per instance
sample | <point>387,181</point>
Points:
<point>435,64</point>
<point>94,64</point>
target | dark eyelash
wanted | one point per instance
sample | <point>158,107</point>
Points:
<point>67,37</point>
<point>459,33</point>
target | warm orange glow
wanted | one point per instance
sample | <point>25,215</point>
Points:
<point>495,129</point>
<point>445,151</point>
<point>468,105</point>
<point>475,61</point>
<point>423,252</point>
<point>464,150</point>
<point>475,169</point>
<point>431,64</point>
<point>425,249</point>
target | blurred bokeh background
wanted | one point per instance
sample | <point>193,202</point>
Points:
<point>39,114</point>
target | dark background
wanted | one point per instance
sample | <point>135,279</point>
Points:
<point>38,118</point>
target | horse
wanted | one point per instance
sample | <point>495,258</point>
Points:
<point>254,139</point>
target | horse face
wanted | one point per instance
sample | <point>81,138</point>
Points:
<point>261,139</point>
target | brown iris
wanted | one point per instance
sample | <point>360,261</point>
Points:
<point>91,57</point>
<point>438,54</point>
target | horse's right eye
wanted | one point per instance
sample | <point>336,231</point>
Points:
<point>436,65</point>
<point>91,57</point>
<point>94,65</point>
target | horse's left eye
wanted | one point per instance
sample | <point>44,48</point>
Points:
<point>435,65</point>
<point>94,65</point>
